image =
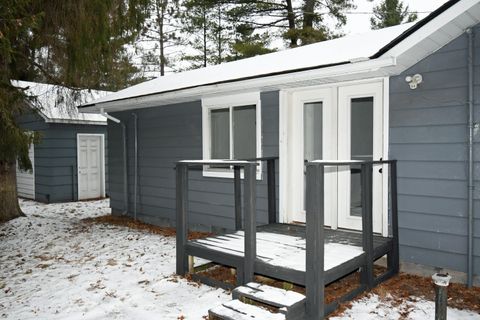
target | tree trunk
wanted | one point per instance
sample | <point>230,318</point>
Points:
<point>161,6</point>
<point>291,24</point>
<point>9,207</point>
<point>204,36</point>
<point>308,13</point>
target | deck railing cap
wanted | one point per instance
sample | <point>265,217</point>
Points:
<point>217,161</point>
<point>347,162</point>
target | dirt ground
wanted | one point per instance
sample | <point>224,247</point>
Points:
<point>399,288</point>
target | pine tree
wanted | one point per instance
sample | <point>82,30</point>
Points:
<point>208,30</point>
<point>71,43</point>
<point>391,13</point>
<point>160,30</point>
<point>248,43</point>
<point>299,22</point>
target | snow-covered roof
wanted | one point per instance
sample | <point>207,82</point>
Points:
<point>378,53</point>
<point>60,104</point>
<point>351,48</point>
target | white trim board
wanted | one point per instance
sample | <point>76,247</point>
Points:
<point>285,143</point>
<point>102,158</point>
<point>224,102</point>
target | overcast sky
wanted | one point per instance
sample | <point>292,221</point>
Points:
<point>358,23</point>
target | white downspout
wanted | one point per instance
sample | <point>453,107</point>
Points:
<point>125,172</point>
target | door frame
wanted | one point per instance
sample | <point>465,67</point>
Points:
<point>286,143</point>
<point>329,149</point>
<point>102,159</point>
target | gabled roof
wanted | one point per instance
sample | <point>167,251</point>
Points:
<point>376,53</point>
<point>57,104</point>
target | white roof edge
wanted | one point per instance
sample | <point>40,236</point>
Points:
<point>392,62</point>
<point>67,121</point>
<point>433,26</point>
<point>355,70</point>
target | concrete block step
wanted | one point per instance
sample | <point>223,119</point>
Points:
<point>237,310</point>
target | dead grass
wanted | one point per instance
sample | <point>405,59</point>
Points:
<point>141,226</point>
<point>397,290</point>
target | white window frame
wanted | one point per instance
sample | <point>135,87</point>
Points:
<point>229,102</point>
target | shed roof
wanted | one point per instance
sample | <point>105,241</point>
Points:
<point>60,104</point>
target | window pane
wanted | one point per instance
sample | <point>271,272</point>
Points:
<point>244,132</point>
<point>361,146</point>
<point>220,134</point>
<point>312,131</point>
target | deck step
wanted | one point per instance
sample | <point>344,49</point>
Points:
<point>237,310</point>
<point>289,303</point>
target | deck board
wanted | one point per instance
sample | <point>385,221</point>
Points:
<point>284,245</point>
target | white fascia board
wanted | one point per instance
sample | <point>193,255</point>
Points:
<point>458,12</point>
<point>67,121</point>
<point>364,69</point>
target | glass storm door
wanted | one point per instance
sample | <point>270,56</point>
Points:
<point>315,121</point>
<point>360,127</point>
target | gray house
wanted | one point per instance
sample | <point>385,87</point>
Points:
<point>408,92</point>
<point>69,163</point>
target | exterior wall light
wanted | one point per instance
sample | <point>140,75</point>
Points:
<point>414,81</point>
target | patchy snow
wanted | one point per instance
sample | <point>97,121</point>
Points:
<point>56,267</point>
<point>373,307</point>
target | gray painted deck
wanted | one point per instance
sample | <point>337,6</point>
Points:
<point>166,135</point>
<point>428,135</point>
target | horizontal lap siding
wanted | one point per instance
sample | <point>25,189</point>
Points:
<point>166,135</point>
<point>428,135</point>
<point>56,161</point>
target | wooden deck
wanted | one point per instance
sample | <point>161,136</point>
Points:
<point>312,255</point>
<point>281,251</point>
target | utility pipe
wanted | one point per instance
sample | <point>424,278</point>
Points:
<point>471,127</point>
<point>135,168</point>
<point>125,170</point>
<point>441,282</point>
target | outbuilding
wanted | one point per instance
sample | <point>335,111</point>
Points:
<point>69,163</point>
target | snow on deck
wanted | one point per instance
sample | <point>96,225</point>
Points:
<point>281,250</point>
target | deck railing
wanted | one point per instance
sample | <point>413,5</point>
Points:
<point>249,206</point>
<point>315,234</point>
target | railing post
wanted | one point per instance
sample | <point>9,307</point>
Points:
<point>394,260</point>
<point>238,197</point>
<point>249,208</point>
<point>367,224</point>
<point>181,223</point>
<point>314,278</point>
<point>272,210</point>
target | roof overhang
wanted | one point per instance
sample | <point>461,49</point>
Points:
<point>341,72</point>
<point>424,38</point>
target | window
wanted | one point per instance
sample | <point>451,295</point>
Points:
<point>231,130</point>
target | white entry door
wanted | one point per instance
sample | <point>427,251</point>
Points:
<point>343,122</point>
<point>91,169</point>
<point>360,137</point>
<point>315,122</point>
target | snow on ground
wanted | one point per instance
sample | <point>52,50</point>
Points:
<point>53,266</point>
<point>372,307</point>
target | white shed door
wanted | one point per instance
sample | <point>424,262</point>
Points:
<point>26,179</point>
<point>90,167</point>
